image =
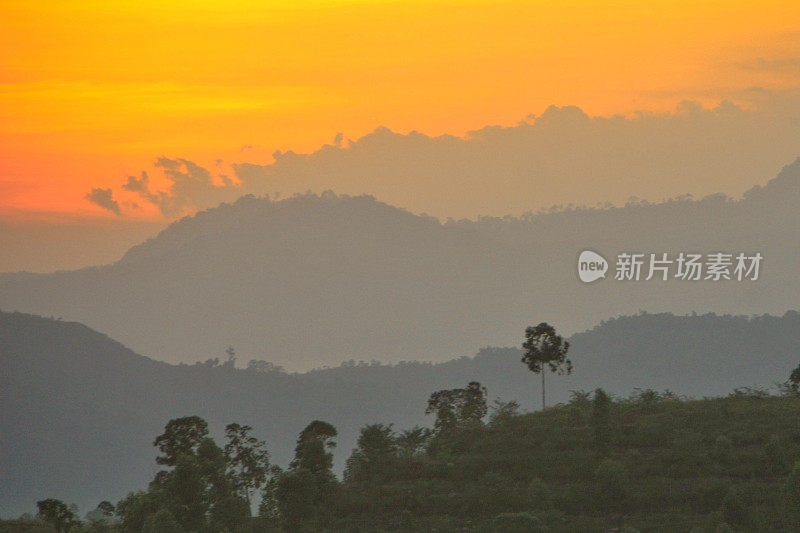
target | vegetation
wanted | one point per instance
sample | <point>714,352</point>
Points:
<point>651,461</point>
<point>598,462</point>
<point>544,349</point>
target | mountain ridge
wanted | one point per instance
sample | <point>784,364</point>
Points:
<point>338,276</point>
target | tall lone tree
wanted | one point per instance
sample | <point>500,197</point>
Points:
<point>545,349</point>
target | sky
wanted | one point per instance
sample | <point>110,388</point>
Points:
<point>93,92</point>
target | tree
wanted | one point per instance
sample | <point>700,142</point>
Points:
<point>135,508</point>
<point>181,436</point>
<point>161,521</point>
<point>297,495</point>
<point>268,508</point>
<point>412,441</point>
<point>247,458</point>
<point>303,495</point>
<point>57,514</point>
<point>794,380</point>
<point>545,349</point>
<point>313,448</point>
<point>456,407</point>
<point>503,412</point>
<point>375,454</point>
<point>104,512</point>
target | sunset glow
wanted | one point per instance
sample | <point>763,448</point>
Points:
<point>91,91</point>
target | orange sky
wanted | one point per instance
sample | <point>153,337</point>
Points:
<point>91,91</point>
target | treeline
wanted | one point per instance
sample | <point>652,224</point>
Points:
<point>594,463</point>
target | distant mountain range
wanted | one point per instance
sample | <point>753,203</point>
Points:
<point>80,411</point>
<point>314,280</point>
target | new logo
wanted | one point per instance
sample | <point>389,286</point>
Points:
<point>591,266</point>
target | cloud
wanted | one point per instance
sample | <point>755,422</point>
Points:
<point>104,198</point>
<point>560,157</point>
<point>191,186</point>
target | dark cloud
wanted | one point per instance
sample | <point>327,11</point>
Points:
<point>135,184</point>
<point>104,198</point>
<point>191,186</point>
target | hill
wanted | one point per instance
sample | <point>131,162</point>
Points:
<point>80,410</point>
<point>314,280</point>
<point>661,464</point>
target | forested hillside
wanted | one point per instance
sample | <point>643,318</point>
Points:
<point>313,280</point>
<point>83,409</point>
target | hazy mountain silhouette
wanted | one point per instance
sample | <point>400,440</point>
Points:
<point>315,280</point>
<point>80,410</point>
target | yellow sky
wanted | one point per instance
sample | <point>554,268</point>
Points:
<point>93,91</point>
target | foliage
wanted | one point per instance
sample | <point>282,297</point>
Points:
<point>304,494</point>
<point>57,514</point>
<point>794,380</point>
<point>531,472</point>
<point>375,455</point>
<point>503,412</point>
<point>182,436</point>
<point>247,459</point>
<point>313,450</point>
<point>199,491</point>
<point>412,442</point>
<point>458,407</point>
<point>544,348</point>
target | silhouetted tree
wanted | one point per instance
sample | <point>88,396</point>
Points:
<point>197,493</point>
<point>375,454</point>
<point>161,521</point>
<point>458,406</point>
<point>545,349</point>
<point>313,450</point>
<point>304,494</point>
<point>181,436</point>
<point>503,412</point>
<point>134,510</point>
<point>297,495</point>
<point>247,458</point>
<point>104,512</point>
<point>794,380</point>
<point>411,442</point>
<point>57,514</point>
<point>268,508</point>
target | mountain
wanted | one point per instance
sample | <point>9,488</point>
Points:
<point>314,280</point>
<point>80,411</point>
